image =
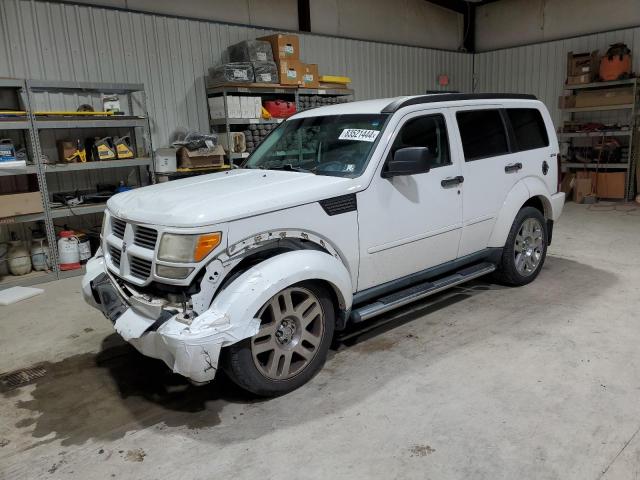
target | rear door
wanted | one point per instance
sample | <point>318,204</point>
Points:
<point>532,141</point>
<point>490,170</point>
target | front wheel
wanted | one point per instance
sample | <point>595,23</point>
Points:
<point>525,250</point>
<point>296,329</point>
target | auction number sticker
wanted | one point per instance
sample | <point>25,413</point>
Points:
<point>359,134</point>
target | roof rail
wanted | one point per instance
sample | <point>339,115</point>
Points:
<point>450,97</point>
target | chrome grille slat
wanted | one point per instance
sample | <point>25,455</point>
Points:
<point>117,227</point>
<point>115,256</point>
<point>140,268</point>
<point>145,237</point>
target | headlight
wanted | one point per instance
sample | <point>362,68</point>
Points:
<point>187,248</point>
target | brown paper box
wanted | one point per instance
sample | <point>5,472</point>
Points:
<point>20,204</point>
<point>284,46</point>
<point>290,72</point>
<point>209,157</point>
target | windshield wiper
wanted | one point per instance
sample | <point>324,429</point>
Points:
<point>290,168</point>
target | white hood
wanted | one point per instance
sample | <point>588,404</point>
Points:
<point>225,196</point>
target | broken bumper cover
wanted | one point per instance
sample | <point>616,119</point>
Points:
<point>190,350</point>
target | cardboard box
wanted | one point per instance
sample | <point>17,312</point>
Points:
<point>20,204</point>
<point>568,182</point>
<point>233,107</point>
<point>216,107</point>
<point>284,46</point>
<point>581,188</point>
<point>583,63</point>
<point>604,97</point>
<point>257,107</point>
<point>579,79</point>
<point>247,107</point>
<point>204,157</point>
<point>568,101</point>
<point>290,72</point>
<point>310,77</point>
<point>611,185</point>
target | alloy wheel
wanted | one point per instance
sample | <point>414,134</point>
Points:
<point>529,245</point>
<point>291,329</point>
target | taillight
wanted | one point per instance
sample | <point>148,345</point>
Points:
<point>559,173</point>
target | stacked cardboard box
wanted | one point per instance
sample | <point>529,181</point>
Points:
<point>602,184</point>
<point>292,71</point>
<point>582,67</point>
<point>237,107</point>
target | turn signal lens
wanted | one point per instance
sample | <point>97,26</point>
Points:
<point>205,245</point>
<point>187,248</point>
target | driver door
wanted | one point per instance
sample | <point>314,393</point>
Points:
<point>412,222</point>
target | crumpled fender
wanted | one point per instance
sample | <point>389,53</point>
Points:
<point>240,301</point>
<point>232,316</point>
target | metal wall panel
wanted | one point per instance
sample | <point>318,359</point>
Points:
<point>541,68</point>
<point>171,56</point>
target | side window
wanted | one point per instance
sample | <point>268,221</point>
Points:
<point>429,131</point>
<point>483,134</point>
<point>528,128</point>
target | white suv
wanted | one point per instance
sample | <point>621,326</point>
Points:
<point>343,213</point>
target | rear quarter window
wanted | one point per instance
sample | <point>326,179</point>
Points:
<point>528,128</point>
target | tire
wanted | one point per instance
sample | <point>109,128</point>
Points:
<point>525,250</point>
<point>292,344</point>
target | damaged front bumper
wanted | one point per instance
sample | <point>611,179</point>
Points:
<point>190,347</point>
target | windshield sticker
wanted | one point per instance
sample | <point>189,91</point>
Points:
<point>359,135</point>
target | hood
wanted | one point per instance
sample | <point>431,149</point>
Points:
<point>225,196</point>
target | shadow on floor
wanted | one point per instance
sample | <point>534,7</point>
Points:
<point>105,395</point>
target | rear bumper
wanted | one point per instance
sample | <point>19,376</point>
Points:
<point>557,204</point>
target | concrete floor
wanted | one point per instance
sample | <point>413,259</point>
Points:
<point>540,382</point>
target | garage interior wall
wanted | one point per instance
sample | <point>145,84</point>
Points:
<point>171,56</point>
<point>541,68</point>
<point>510,23</point>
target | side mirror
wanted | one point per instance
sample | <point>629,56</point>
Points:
<point>408,161</point>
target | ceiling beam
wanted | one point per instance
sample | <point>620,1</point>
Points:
<point>459,6</point>
<point>304,16</point>
<point>468,11</point>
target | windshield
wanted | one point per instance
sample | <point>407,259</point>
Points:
<point>338,145</point>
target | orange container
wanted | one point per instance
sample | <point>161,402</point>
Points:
<point>616,64</point>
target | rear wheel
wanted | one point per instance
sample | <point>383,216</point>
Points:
<point>291,346</point>
<point>525,250</point>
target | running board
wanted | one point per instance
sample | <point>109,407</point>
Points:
<point>418,292</point>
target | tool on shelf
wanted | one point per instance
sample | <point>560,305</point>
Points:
<point>123,147</point>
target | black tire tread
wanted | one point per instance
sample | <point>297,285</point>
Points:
<point>507,273</point>
<point>235,358</point>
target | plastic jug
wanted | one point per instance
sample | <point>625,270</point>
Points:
<point>40,254</point>
<point>19,258</point>
<point>68,250</point>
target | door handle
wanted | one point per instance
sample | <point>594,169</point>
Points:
<point>449,182</point>
<point>512,167</point>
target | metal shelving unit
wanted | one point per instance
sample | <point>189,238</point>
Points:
<point>42,122</point>
<point>35,124</point>
<point>225,125</point>
<point>629,165</point>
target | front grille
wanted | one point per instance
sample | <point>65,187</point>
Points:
<point>145,237</point>
<point>115,256</point>
<point>118,226</point>
<point>140,268</point>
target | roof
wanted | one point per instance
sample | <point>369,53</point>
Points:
<point>390,105</point>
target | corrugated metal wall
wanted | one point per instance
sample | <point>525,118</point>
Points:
<point>541,68</point>
<point>171,57</point>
